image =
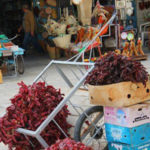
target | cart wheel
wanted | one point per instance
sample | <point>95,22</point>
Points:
<point>88,124</point>
<point>20,64</point>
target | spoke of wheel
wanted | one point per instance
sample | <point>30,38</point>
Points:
<point>88,129</point>
<point>90,139</point>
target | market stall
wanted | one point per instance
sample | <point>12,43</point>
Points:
<point>117,85</point>
<point>11,57</point>
<point>72,33</point>
<point>71,30</point>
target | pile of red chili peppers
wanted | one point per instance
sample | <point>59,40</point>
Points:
<point>114,68</point>
<point>68,144</point>
<point>29,108</point>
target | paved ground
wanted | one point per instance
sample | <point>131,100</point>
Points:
<point>34,65</point>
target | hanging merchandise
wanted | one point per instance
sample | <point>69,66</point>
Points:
<point>120,4</point>
<point>124,35</point>
<point>76,2</point>
<point>63,3</point>
<point>85,12</point>
<point>130,8</point>
<point>54,28</point>
<point>130,36</point>
<point>101,13</point>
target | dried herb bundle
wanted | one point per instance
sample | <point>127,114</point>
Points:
<point>114,68</point>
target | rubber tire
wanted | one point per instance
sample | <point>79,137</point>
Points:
<point>81,120</point>
<point>20,64</point>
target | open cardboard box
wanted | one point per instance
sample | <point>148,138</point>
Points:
<point>119,94</point>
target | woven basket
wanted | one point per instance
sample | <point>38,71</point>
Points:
<point>72,30</point>
<point>119,94</point>
<point>63,41</point>
<point>61,29</point>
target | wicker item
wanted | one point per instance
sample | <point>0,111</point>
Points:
<point>60,29</point>
<point>63,41</point>
<point>54,53</point>
<point>72,30</point>
<point>71,20</point>
<point>120,94</point>
<point>54,28</point>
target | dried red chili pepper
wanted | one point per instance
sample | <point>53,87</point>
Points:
<point>114,68</point>
<point>30,107</point>
<point>68,144</point>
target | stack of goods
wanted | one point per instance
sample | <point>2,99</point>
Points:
<point>128,127</point>
<point>120,84</point>
<point>29,108</point>
<point>68,144</point>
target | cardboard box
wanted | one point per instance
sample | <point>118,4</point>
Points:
<point>131,136</point>
<point>119,146</point>
<point>131,116</point>
<point>119,94</point>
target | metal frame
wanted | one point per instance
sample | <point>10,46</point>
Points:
<point>143,31</point>
<point>50,118</point>
<point>14,58</point>
<point>79,78</point>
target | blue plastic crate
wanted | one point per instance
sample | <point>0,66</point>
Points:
<point>132,136</point>
<point>119,146</point>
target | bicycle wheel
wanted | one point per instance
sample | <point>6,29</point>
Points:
<point>89,128</point>
<point>20,64</point>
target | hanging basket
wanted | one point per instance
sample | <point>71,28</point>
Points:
<point>120,94</point>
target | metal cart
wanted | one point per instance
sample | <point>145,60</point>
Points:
<point>12,59</point>
<point>74,79</point>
